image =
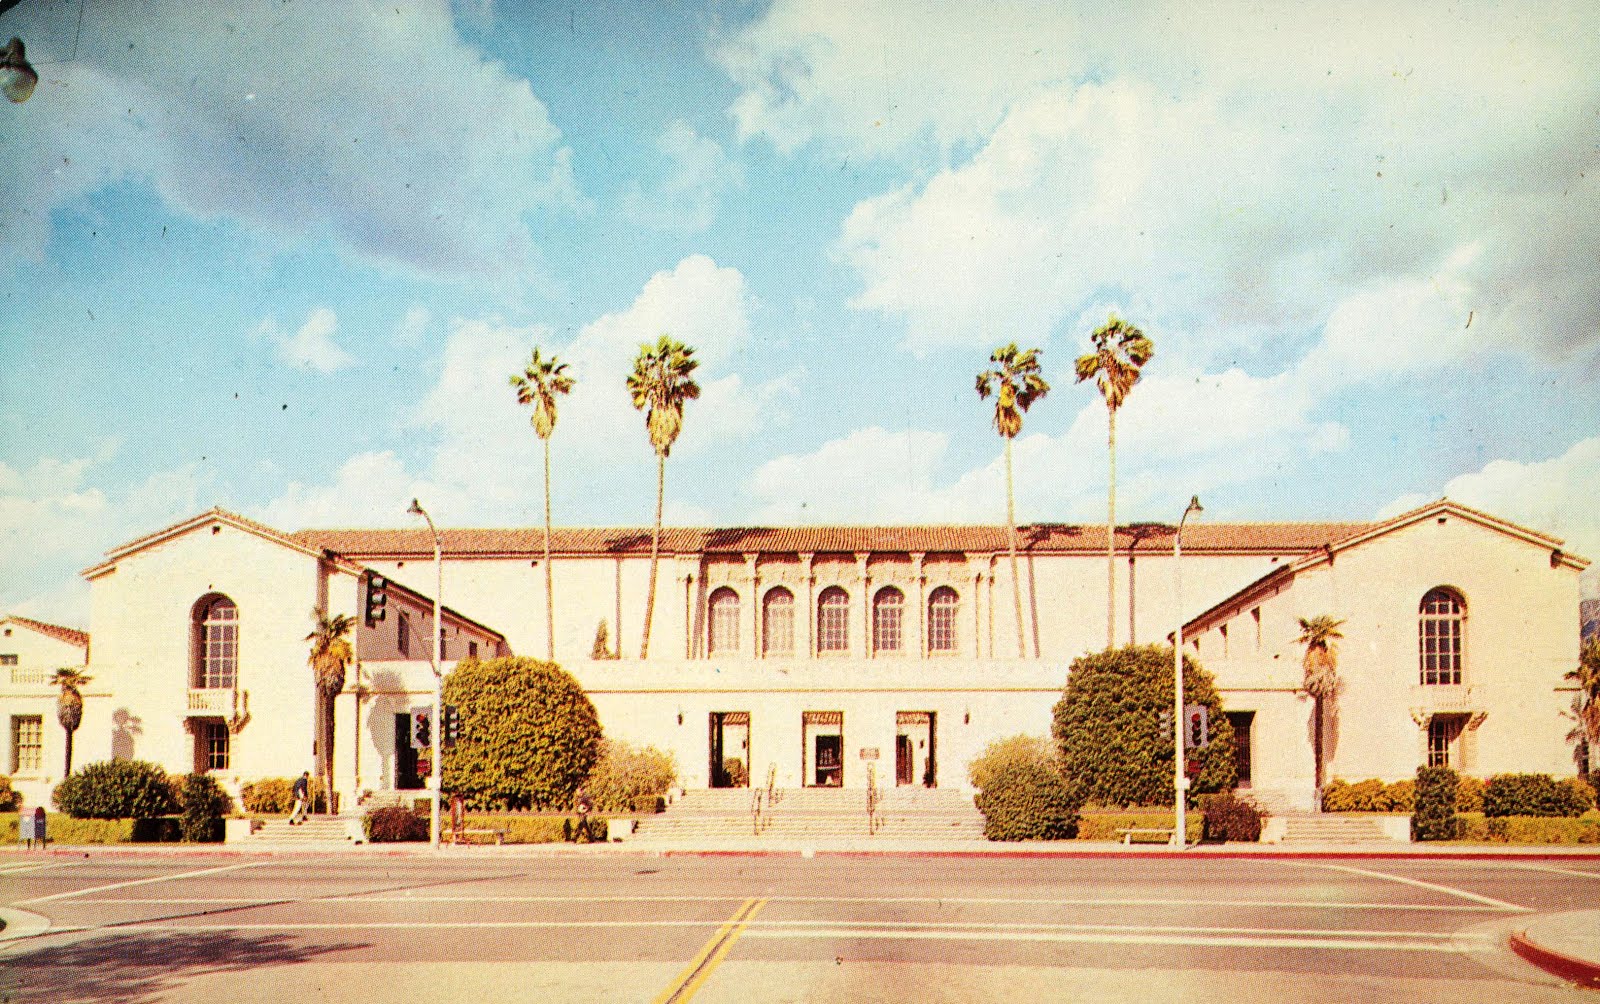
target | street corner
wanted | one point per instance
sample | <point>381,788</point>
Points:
<point>17,924</point>
<point>1563,944</point>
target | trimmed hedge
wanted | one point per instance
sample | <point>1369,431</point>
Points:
<point>1226,817</point>
<point>535,829</point>
<point>625,776</point>
<point>1023,795</point>
<point>1370,795</point>
<point>1536,795</point>
<point>1478,828</point>
<point>529,734</point>
<point>1097,824</point>
<point>204,806</point>
<point>116,789</point>
<point>1469,794</point>
<point>274,796</point>
<point>392,824</point>
<point>1434,817</point>
<point>1108,727</point>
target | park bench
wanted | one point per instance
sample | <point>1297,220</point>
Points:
<point>1164,833</point>
<point>460,836</point>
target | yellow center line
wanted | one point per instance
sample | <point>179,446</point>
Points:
<point>710,955</point>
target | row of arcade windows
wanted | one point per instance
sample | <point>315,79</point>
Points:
<point>833,621</point>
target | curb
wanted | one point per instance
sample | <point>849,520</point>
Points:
<point>15,924</point>
<point>1580,971</point>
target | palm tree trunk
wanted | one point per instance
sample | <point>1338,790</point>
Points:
<point>1011,527</point>
<point>327,752</point>
<point>655,554</point>
<point>67,771</point>
<point>549,575</point>
<point>1316,742</point>
<point>1111,535</point>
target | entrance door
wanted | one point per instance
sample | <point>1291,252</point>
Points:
<point>914,762</point>
<point>1242,722</point>
<point>904,767</point>
<point>822,748</point>
<point>406,777</point>
<point>830,761</point>
<point>730,749</point>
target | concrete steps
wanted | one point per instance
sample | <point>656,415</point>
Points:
<point>816,813</point>
<point>329,830</point>
<point>1331,828</point>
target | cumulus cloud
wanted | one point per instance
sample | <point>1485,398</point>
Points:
<point>686,198</point>
<point>870,475</point>
<point>397,161</point>
<point>312,346</point>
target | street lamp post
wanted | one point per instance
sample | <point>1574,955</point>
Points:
<point>434,774</point>
<point>1180,782</point>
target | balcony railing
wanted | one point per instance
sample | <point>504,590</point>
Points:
<point>30,677</point>
<point>1443,699</point>
<point>211,702</point>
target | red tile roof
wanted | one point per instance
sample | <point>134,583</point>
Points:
<point>72,636</point>
<point>1044,538</point>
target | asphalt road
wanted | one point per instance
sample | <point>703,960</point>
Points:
<point>753,930</point>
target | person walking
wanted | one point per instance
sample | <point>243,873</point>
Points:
<point>302,798</point>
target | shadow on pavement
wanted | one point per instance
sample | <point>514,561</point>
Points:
<point>136,968</point>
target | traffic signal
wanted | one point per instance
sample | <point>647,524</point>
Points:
<point>1198,719</point>
<point>452,725</point>
<point>377,599</point>
<point>421,729</point>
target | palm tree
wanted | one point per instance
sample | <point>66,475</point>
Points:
<point>538,386</point>
<point>1586,704</point>
<point>330,654</point>
<point>1120,351</point>
<point>661,382</point>
<point>1321,665</point>
<point>69,705</point>
<point>1016,385</point>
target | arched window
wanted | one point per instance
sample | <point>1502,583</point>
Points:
<point>943,607</point>
<point>888,617</point>
<point>1439,636</point>
<point>724,621</point>
<point>216,643</point>
<point>833,620</point>
<point>777,622</point>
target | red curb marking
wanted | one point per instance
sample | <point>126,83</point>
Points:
<point>1579,971</point>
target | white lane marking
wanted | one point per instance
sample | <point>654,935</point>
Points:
<point>35,866</point>
<point>1418,883</point>
<point>359,898</point>
<point>143,881</point>
<point>1559,871</point>
<point>1083,937</point>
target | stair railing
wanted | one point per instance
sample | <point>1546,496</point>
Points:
<point>872,799</point>
<point>755,812</point>
<point>772,784</point>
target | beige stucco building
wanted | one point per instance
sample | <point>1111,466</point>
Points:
<point>825,655</point>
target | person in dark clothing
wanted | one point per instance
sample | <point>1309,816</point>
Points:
<point>302,798</point>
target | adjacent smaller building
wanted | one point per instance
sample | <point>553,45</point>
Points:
<point>30,653</point>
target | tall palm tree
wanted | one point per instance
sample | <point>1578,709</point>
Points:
<point>538,385</point>
<point>331,653</point>
<point>661,382</point>
<point>1586,703</point>
<point>1120,352</point>
<point>69,705</point>
<point>1016,384</point>
<point>1321,665</point>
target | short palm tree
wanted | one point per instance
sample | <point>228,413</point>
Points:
<point>1321,665</point>
<point>661,383</point>
<point>1120,352</point>
<point>539,385</point>
<point>1586,703</point>
<point>69,705</point>
<point>1016,384</point>
<point>330,654</point>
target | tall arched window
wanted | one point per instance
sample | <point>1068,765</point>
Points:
<point>216,648</point>
<point>888,618</point>
<point>777,622</point>
<point>1439,636</point>
<point>724,621</point>
<point>943,608</point>
<point>833,620</point>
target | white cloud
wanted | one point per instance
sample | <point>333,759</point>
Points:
<point>698,172</point>
<point>413,326</point>
<point>311,347</point>
<point>1554,496</point>
<point>871,475</point>
<point>267,117</point>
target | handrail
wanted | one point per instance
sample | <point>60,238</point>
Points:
<point>755,812</point>
<point>772,784</point>
<point>872,799</point>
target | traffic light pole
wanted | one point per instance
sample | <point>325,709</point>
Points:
<point>1180,781</point>
<point>435,773</point>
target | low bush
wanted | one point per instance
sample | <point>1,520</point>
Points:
<point>1103,824</point>
<point>1469,794</point>
<point>155,830</point>
<point>392,824</point>
<point>625,775</point>
<point>534,829</point>
<point>1023,795</point>
<point>116,789</point>
<point>204,805</point>
<point>648,804</point>
<point>1581,792</point>
<point>1371,795</point>
<point>61,828</point>
<point>1226,817</point>
<point>1479,828</point>
<point>1434,816</point>
<point>1534,795</point>
<point>1398,796</point>
<point>274,796</point>
<point>10,799</point>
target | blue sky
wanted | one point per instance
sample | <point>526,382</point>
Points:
<point>282,257</point>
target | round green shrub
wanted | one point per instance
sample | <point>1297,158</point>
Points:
<point>529,734</point>
<point>1229,818</point>
<point>1108,728</point>
<point>10,799</point>
<point>1533,795</point>
<point>624,777</point>
<point>1023,795</point>
<point>204,804</point>
<point>275,796</point>
<point>116,789</point>
<point>393,824</point>
<point>1434,815</point>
